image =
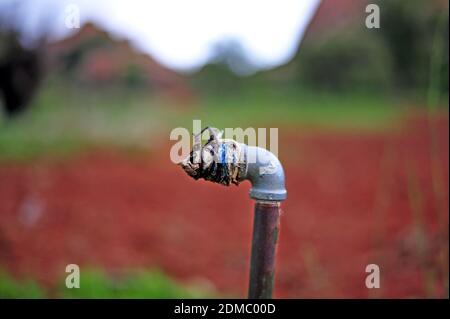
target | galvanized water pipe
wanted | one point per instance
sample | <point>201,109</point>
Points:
<point>268,189</point>
<point>226,162</point>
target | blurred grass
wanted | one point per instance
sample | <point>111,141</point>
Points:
<point>63,121</point>
<point>299,110</point>
<point>139,284</point>
<point>12,288</point>
<point>95,283</point>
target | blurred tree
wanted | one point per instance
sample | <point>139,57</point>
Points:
<point>232,54</point>
<point>21,70</point>
<point>408,29</point>
<point>134,77</point>
<point>345,62</point>
<point>72,59</point>
<point>339,53</point>
<point>224,74</point>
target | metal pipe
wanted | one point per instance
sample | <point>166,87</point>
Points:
<point>264,247</point>
<point>265,172</point>
<point>263,169</point>
<point>228,162</point>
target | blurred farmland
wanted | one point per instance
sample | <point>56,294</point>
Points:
<point>85,174</point>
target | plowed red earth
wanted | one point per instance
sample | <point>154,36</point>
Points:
<point>353,199</point>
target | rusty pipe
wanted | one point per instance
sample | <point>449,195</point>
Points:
<point>266,226</point>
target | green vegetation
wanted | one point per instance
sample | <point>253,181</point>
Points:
<point>139,284</point>
<point>97,284</point>
<point>62,121</point>
<point>299,111</point>
<point>349,62</point>
<point>12,288</point>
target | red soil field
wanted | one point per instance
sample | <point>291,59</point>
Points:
<point>353,199</point>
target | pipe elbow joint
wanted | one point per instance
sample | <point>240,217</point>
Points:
<point>265,173</point>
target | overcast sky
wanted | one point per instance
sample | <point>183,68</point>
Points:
<point>181,33</point>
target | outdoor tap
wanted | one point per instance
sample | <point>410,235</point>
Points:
<point>226,162</point>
